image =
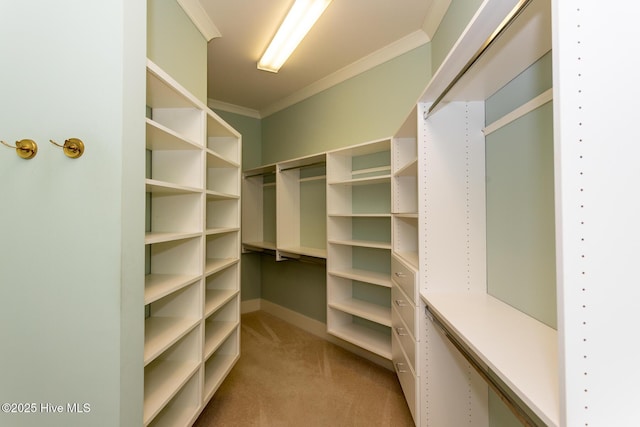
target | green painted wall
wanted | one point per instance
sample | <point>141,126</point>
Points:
<point>520,198</point>
<point>369,106</point>
<point>453,23</point>
<point>71,280</point>
<point>176,45</point>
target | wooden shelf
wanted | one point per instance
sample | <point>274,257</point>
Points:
<point>213,265</point>
<point>163,380</point>
<point>362,243</point>
<point>410,169</point>
<point>215,160</point>
<point>161,187</point>
<point>162,332</point>
<point>374,278</point>
<point>151,238</point>
<point>220,230</point>
<point>260,245</point>
<point>365,310</point>
<point>411,258</point>
<point>520,350</point>
<point>215,334</point>
<point>373,341</point>
<point>160,285</point>
<point>182,409</point>
<point>217,298</point>
<point>363,181</point>
<point>305,250</point>
<point>160,137</point>
<point>216,195</point>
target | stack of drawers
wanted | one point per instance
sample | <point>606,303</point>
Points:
<point>404,320</point>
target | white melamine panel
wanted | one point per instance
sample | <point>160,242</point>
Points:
<point>452,213</point>
<point>288,202</point>
<point>222,213</point>
<point>218,365</point>
<point>597,211</point>
<point>181,257</point>
<point>183,408</point>
<point>452,393</point>
<point>166,375</point>
<point>225,147</point>
<point>346,326</point>
<point>160,137</point>
<point>159,285</point>
<point>176,213</point>
<point>188,123</point>
<point>344,295</point>
<point>222,247</point>
<point>404,174</point>
<point>405,239</point>
<point>224,180</point>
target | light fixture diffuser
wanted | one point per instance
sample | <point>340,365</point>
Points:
<point>301,17</point>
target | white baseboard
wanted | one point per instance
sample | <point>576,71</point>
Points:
<point>250,305</point>
<point>312,326</point>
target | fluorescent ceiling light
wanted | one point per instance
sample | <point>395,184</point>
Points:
<point>301,17</point>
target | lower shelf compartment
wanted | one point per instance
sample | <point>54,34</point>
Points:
<point>220,363</point>
<point>166,375</point>
<point>183,408</point>
<point>358,331</point>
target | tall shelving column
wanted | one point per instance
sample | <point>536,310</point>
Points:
<point>221,317</point>
<point>192,193</point>
<point>298,182</point>
<point>259,209</point>
<point>359,246</point>
<point>404,264</point>
<point>511,350</point>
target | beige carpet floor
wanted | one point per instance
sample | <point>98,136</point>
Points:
<point>288,377</point>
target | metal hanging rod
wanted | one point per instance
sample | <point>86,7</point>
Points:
<point>310,165</point>
<point>260,174</point>
<point>484,371</point>
<point>511,17</point>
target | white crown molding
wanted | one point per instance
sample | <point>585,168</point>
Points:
<point>399,47</point>
<point>434,16</point>
<point>200,18</point>
<point>232,108</point>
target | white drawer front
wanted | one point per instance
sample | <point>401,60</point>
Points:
<point>404,338</point>
<point>405,375</point>
<point>405,277</point>
<point>405,307</point>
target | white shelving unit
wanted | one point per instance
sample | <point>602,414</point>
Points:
<point>259,209</point>
<point>509,349</point>
<point>285,207</point>
<point>293,219</point>
<point>404,264</point>
<point>193,248</point>
<point>359,245</point>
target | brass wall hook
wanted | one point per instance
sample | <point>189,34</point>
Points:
<point>72,148</point>
<point>25,148</point>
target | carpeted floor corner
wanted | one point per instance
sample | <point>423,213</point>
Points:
<point>289,377</point>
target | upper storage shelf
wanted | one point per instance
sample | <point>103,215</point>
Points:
<point>472,71</point>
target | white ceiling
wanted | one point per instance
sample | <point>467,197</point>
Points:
<point>350,37</point>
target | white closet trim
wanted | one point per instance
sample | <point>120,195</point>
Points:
<point>536,102</point>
